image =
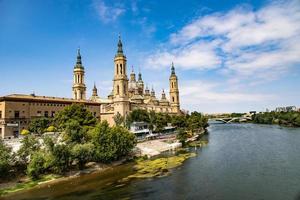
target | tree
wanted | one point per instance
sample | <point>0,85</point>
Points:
<point>138,115</point>
<point>111,143</point>
<point>83,153</point>
<point>182,136</point>
<point>75,133</point>
<point>197,121</point>
<point>180,121</point>
<point>39,125</point>
<point>75,112</point>
<point>29,145</point>
<point>36,167</point>
<point>5,159</point>
<point>119,119</point>
<point>61,158</point>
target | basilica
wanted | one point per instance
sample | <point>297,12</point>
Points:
<point>17,110</point>
<point>127,95</point>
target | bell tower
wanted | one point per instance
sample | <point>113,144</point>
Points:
<point>79,88</point>
<point>120,82</point>
<point>174,91</point>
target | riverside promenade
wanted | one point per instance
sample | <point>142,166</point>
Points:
<point>155,147</point>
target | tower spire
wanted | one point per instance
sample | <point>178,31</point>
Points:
<point>95,91</point>
<point>172,69</point>
<point>140,75</point>
<point>120,46</point>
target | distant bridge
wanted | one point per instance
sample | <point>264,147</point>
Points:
<point>227,120</point>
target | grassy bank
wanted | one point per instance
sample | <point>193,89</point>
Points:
<point>28,184</point>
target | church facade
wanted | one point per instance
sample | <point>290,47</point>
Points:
<point>127,94</point>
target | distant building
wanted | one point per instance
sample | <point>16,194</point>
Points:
<point>286,109</point>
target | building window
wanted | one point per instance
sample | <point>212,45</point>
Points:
<point>52,113</point>
<point>173,99</point>
<point>0,132</point>
<point>121,70</point>
<point>118,89</point>
<point>117,69</point>
<point>95,114</point>
<point>17,114</point>
<point>0,114</point>
<point>39,113</point>
<point>46,114</point>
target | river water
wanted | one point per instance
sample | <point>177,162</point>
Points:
<point>241,161</point>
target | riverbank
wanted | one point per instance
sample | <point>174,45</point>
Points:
<point>23,183</point>
<point>153,167</point>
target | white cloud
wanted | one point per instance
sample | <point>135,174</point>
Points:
<point>207,97</point>
<point>198,55</point>
<point>194,91</point>
<point>244,43</point>
<point>108,13</point>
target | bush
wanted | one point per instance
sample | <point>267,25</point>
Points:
<point>5,159</point>
<point>25,132</point>
<point>36,167</point>
<point>83,153</point>
<point>51,129</point>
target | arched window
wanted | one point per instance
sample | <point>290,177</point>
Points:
<point>173,99</point>
<point>172,84</point>
<point>118,89</point>
<point>121,69</point>
<point>117,69</point>
<point>125,89</point>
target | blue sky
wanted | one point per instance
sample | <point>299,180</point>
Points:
<point>230,56</point>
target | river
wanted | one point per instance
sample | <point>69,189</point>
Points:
<point>241,161</point>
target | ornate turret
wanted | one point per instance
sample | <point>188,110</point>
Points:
<point>120,47</point>
<point>79,88</point>
<point>173,69</point>
<point>174,91</point>
<point>95,91</point>
<point>140,84</point>
<point>152,93</point>
<point>163,95</point>
<point>132,75</point>
<point>163,101</point>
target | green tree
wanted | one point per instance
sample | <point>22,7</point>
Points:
<point>36,167</point>
<point>111,143</point>
<point>179,121</point>
<point>138,115</point>
<point>74,112</point>
<point>75,133</point>
<point>61,158</point>
<point>39,125</point>
<point>182,136</point>
<point>196,121</point>
<point>119,119</point>
<point>83,153</point>
<point>5,159</point>
<point>29,145</point>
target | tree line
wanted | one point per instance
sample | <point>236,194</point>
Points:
<point>281,118</point>
<point>82,139</point>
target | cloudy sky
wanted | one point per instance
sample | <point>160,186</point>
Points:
<point>230,56</point>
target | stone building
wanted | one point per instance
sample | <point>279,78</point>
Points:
<point>17,110</point>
